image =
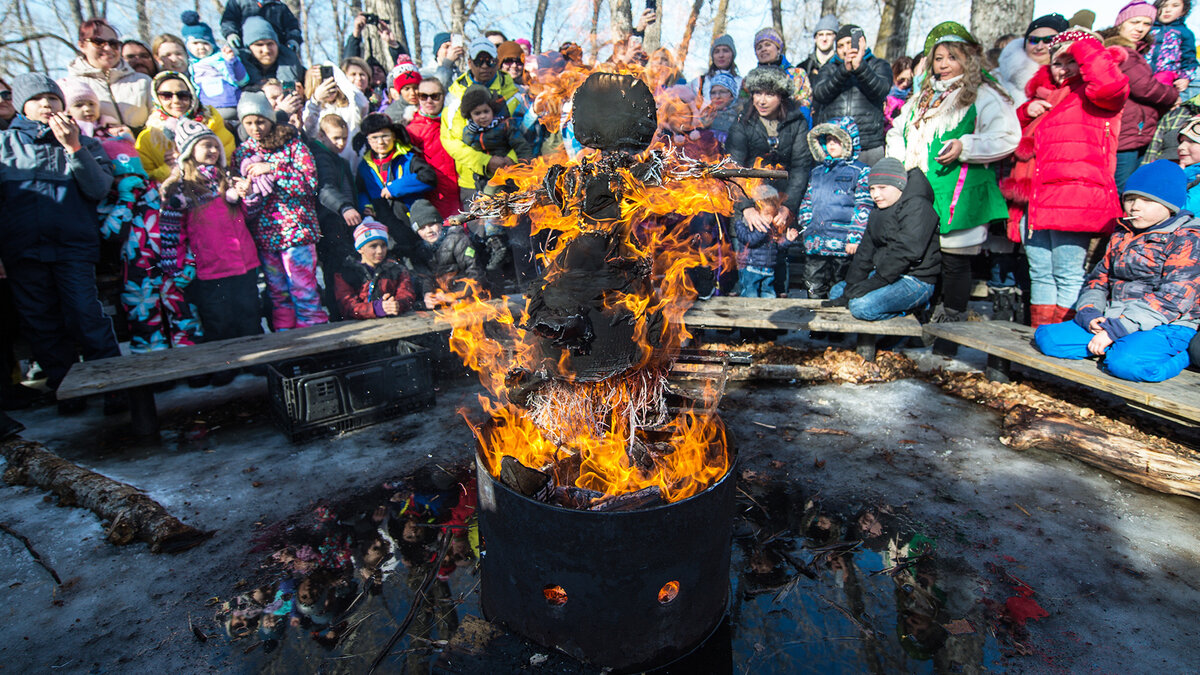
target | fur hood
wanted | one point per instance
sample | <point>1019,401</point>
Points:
<point>1015,69</point>
<point>842,128</point>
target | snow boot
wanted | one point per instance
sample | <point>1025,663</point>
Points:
<point>1003,303</point>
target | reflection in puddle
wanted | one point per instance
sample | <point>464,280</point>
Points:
<point>816,587</point>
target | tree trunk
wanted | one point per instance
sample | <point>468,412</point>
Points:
<point>415,47</point>
<point>1026,428</point>
<point>143,21</point>
<point>76,12</point>
<point>652,40</point>
<point>891,40</point>
<point>718,28</point>
<point>829,7</point>
<point>539,20</point>
<point>391,11</point>
<point>132,515</point>
<point>458,16</point>
<point>992,18</point>
<point>686,41</point>
<point>593,34</point>
<point>777,21</point>
<point>622,18</point>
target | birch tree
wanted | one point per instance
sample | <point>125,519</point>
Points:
<point>718,27</point>
<point>992,18</point>
<point>539,20</point>
<point>686,41</point>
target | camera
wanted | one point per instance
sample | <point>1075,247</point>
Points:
<point>372,19</point>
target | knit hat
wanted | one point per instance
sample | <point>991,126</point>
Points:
<point>828,22</point>
<point>526,45</point>
<point>1066,37</point>
<point>75,91</point>
<point>948,31</point>
<point>723,41</point>
<point>1056,22</point>
<point>723,80</point>
<point>405,74</point>
<point>771,34</point>
<point>888,171</point>
<point>1191,129</point>
<point>768,78</point>
<point>423,213</point>
<point>475,96</point>
<point>510,50</point>
<point>1162,181</point>
<point>439,39</point>
<point>369,231</point>
<point>481,46</point>
<point>1135,9</point>
<point>255,103</point>
<point>188,133</point>
<point>195,29</point>
<point>1084,18</point>
<point>28,85</point>
<point>255,29</point>
<point>845,31</point>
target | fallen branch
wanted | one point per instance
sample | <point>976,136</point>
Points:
<point>1026,428</point>
<point>37,557</point>
<point>134,515</point>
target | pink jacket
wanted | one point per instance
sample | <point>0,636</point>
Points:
<point>216,233</point>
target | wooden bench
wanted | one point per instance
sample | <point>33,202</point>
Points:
<point>797,314</point>
<point>1006,343</point>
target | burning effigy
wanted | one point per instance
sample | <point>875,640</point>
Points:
<point>578,378</point>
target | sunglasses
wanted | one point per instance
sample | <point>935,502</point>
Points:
<point>512,62</point>
<point>484,61</point>
<point>429,97</point>
<point>101,42</point>
<point>175,95</point>
<point>5,95</point>
<point>1040,40</point>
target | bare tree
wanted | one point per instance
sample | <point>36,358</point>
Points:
<point>829,7</point>
<point>685,42</point>
<point>76,12</point>
<point>777,20</point>
<point>415,48</point>
<point>718,28</point>
<point>622,18</point>
<point>892,39</point>
<point>391,11</point>
<point>652,39</point>
<point>539,20</point>
<point>992,18</point>
<point>593,36</point>
<point>143,21</point>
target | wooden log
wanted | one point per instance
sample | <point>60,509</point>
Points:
<point>1026,428</point>
<point>779,371</point>
<point>132,514</point>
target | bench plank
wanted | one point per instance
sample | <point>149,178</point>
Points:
<point>1178,397</point>
<point>792,314</point>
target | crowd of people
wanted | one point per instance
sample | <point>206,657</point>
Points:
<point>228,183</point>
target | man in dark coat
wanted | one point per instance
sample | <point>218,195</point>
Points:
<point>855,84</point>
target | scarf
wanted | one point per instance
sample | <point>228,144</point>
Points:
<point>899,93</point>
<point>473,128</point>
<point>166,122</point>
<point>934,98</point>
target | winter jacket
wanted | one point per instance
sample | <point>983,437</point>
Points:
<point>1192,172</point>
<point>401,111</point>
<point>425,134</point>
<point>1174,50</point>
<point>214,232</point>
<point>1063,177</point>
<point>287,67</point>
<point>335,196</point>
<point>859,94</point>
<point>289,213</point>
<point>157,139</point>
<point>965,193</point>
<point>406,175</point>
<point>49,196</point>
<point>812,65</point>
<point>125,94</point>
<point>448,262</point>
<point>837,202</point>
<point>281,18</point>
<point>352,113</point>
<point>218,80</point>
<point>748,141</point>
<point>1148,98</point>
<point>501,138</point>
<point>467,160</point>
<point>901,240</point>
<point>360,288</point>
<point>1147,278</point>
<point>1015,70</point>
<point>758,249</point>
<point>1166,137</point>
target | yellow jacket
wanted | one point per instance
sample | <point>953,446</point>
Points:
<point>467,160</point>
<point>152,145</point>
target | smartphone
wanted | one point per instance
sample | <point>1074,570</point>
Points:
<point>456,40</point>
<point>288,87</point>
<point>326,72</point>
<point>944,148</point>
<point>652,4</point>
<point>856,37</point>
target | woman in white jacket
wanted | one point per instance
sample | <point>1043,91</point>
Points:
<point>335,95</point>
<point>953,129</point>
<point>125,94</point>
<point>1020,59</point>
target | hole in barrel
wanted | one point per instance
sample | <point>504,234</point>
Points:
<point>668,592</point>
<point>555,595</point>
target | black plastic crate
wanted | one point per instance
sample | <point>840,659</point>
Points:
<point>349,389</point>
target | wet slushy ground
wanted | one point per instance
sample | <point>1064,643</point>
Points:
<point>880,528</point>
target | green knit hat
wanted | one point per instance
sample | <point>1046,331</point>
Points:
<point>948,31</point>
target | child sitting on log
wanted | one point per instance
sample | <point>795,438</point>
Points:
<point>899,258</point>
<point>1138,308</point>
<point>372,286</point>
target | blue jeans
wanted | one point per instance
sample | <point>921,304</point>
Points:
<point>1145,356</point>
<point>756,282</point>
<point>1056,261</point>
<point>889,302</point>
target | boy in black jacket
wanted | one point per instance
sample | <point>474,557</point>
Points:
<point>899,259</point>
<point>448,256</point>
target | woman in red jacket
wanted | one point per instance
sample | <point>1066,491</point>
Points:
<point>425,130</point>
<point>1148,98</point>
<point>1062,188</point>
